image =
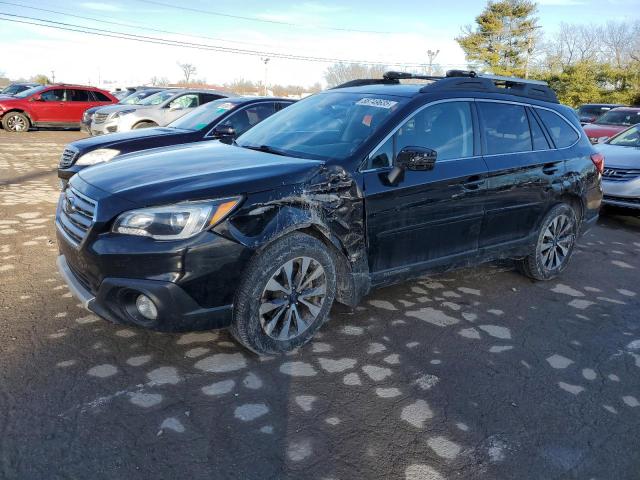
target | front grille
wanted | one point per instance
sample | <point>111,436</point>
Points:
<point>620,174</point>
<point>83,279</point>
<point>68,156</point>
<point>100,117</point>
<point>76,215</point>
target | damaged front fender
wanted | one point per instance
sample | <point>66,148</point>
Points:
<point>329,205</point>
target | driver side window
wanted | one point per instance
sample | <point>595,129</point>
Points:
<point>56,95</point>
<point>185,101</point>
<point>445,127</point>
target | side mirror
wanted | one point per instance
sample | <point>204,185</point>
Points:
<point>36,98</point>
<point>412,158</point>
<point>225,133</point>
<point>175,107</point>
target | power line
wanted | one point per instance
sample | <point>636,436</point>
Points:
<point>199,46</point>
<point>256,19</point>
<point>129,25</point>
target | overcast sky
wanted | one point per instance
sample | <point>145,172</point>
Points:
<point>406,29</point>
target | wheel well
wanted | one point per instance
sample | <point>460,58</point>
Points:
<point>144,121</point>
<point>576,203</point>
<point>19,111</point>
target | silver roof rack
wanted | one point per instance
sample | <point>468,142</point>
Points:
<point>500,78</point>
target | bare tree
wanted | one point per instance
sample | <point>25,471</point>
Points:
<point>617,40</point>
<point>159,81</point>
<point>343,72</point>
<point>188,69</point>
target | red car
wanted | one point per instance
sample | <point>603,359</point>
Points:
<point>612,122</point>
<point>50,106</point>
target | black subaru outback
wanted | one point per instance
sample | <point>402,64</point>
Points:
<point>363,185</point>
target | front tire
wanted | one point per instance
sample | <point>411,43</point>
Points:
<point>285,295</point>
<point>16,122</point>
<point>554,245</point>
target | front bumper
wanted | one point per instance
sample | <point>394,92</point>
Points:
<point>622,193</point>
<point>115,301</point>
<point>109,126</point>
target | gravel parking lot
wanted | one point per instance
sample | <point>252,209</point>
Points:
<point>473,374</point>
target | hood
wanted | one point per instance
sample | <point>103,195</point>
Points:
<point>619,157</point>
<point>118,108</point>
<point>8,99</point>
<point>594,130</point>
<point>113,139</point>
<point>196,171</point>
<point>5,95</point>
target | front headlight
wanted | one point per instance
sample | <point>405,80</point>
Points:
<point>174,222</point>
<point>98,156</point>
<point>123,113</point>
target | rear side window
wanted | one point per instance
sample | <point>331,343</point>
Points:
<point>505,128</point>
<point>561,132</point>
<point>101,97</point>
<point>539,140</point>
<point>78,96</point>
<point>208,97</point>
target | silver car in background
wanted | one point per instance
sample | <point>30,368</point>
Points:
<point>621,176</point>
<point>156,110</point>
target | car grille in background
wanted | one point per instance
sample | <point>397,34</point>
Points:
<point>76,215</point>
<point>68,157</point>
<point>611,198</point>
<point>620,174</point>
<point>100,117</point>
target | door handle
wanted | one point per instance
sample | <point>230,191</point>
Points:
<point>473,183</point>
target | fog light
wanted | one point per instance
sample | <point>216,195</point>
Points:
<point>146,307</point>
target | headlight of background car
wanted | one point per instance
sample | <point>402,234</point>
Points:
<point>98,156</point>
<point>122,113</point>
<point>174,222</point>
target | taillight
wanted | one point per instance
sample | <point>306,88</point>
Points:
<point>598,161</point>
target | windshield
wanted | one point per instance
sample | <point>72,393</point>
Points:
<point>31,91</point>
<point>13,89</point>
<point>323,126</point>
<point>203,115</point>
<point>136,97</point>
<point>619,117</point>
<point>628,138</point>
<point>157,98</point>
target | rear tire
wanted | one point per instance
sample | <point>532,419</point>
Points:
<point>16,122</point>
<point>285,295</point>
<point>144,125</point>
<point>554,244</point>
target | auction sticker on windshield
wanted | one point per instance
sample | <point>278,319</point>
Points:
<point>377,102</point>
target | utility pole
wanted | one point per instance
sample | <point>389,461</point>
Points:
<point>265,60</point>
<point>53,76</point>
<point>432,55</point>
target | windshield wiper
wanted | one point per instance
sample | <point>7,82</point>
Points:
<point>266,149</point>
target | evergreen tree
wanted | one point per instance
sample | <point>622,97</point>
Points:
<point>503,39</point>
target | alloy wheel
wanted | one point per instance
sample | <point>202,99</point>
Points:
<point>557,240</point>
<point>292,298</point>
<point>16,123</point>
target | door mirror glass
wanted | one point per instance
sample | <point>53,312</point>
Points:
<point>416,158</point>
<point>225,133</point>
<point>411,158</point>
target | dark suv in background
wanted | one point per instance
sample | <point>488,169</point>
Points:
<point>348,189</point>
<point>222,119</point>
